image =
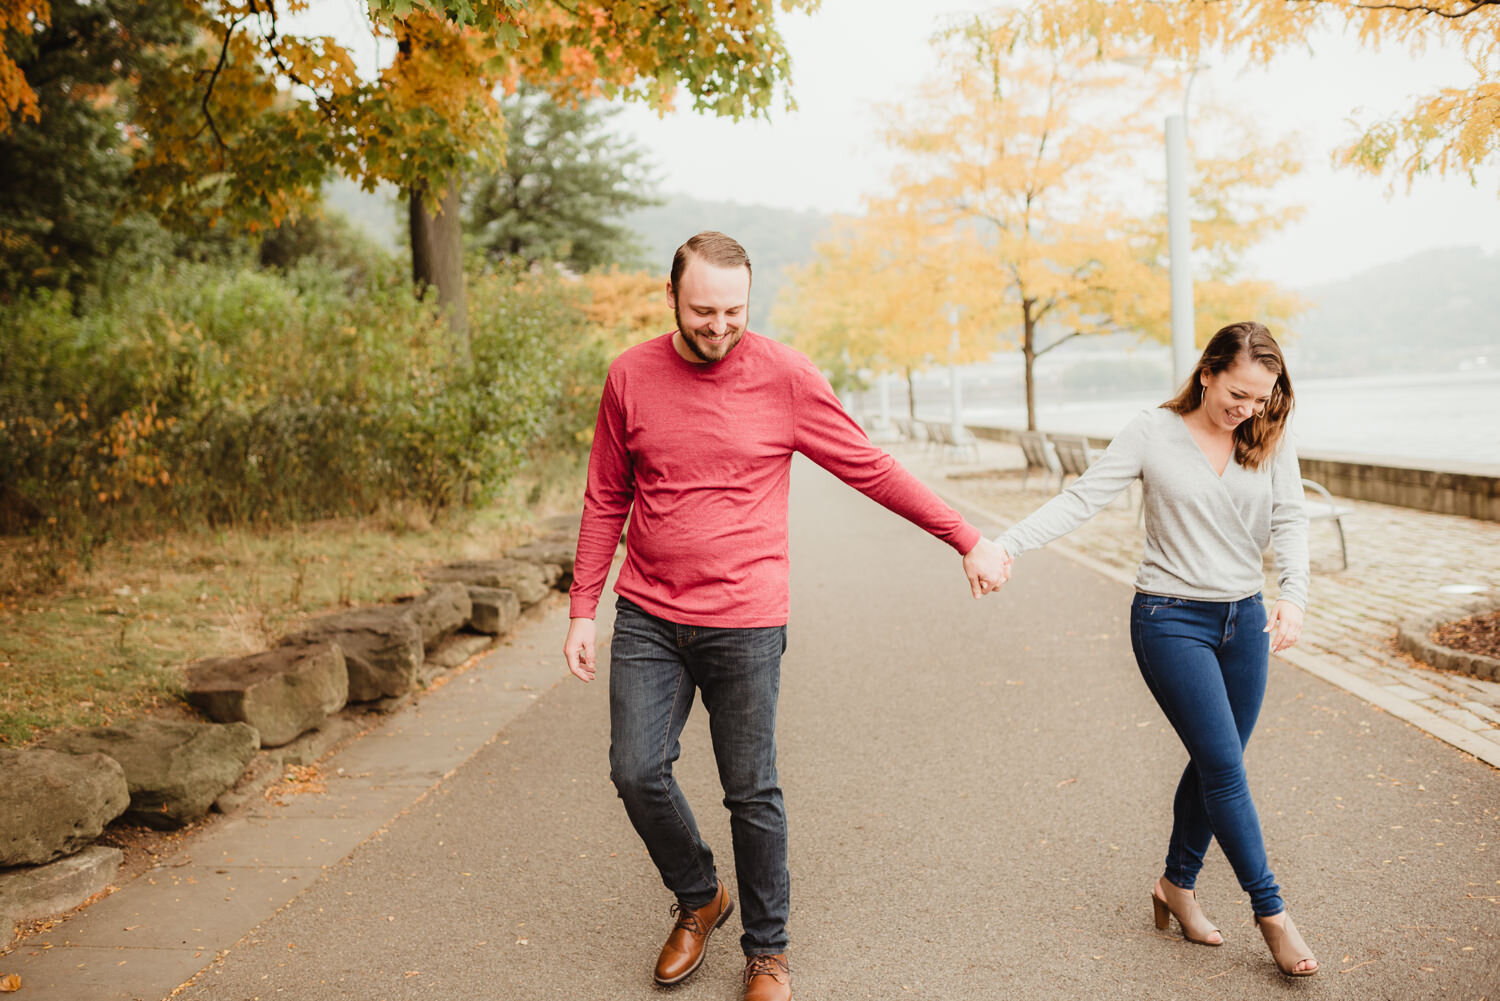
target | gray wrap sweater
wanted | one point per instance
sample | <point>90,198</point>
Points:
<point>1204,533</point>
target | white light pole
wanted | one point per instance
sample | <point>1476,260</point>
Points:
<point>1179,249</point>
<point>956,391</point>
<point>1180,238</point>
<point>1179,228</point>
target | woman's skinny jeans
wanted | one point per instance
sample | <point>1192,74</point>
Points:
<point>1206,663</point>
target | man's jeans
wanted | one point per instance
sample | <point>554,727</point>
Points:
<point>655,667</point>
<point>1206,664</point>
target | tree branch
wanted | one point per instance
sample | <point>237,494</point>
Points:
<point>324,105</point>
<point>1420,8</point>
<point>213,78</point>
<point>1061,340</point>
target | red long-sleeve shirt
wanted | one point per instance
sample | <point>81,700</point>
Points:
<point>699,457</point>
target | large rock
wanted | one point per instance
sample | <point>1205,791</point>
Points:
<point>557,550</point>
<point>282,693</point>
<point>530,581</point>
<point>175,769</point>
<point>55,803</point>
<point>456,650</point>
<point>42,891</point>
<point>382,648</point>
<point>495,609</point>
<point>440,612</point>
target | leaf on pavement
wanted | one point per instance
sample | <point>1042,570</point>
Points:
<point>10,984</point>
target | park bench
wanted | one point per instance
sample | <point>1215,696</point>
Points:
<point>951,437</point>
<point>1325,509</point>
<point>1074,453</point>
<point>1040,457</point>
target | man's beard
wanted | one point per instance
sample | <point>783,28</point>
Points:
<point>690,339</point>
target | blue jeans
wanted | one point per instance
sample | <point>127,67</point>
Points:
<point>655,668</point>
<point>1206,663</point>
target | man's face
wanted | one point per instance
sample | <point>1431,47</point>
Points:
<point>712,306</point>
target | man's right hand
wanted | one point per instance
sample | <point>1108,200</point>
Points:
<point>578,648</point>
<point>987,566</point>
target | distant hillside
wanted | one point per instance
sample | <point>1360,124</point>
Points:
<point>774,238</point>
<point>1434,311</point>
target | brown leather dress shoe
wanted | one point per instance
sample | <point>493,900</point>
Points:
<point>768,978</point>
<point>683,952</point>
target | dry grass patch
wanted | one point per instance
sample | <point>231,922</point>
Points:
<point>110,639</point>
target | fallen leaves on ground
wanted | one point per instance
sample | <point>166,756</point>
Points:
<point>1477,634</point>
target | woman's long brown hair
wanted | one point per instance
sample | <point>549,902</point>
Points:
<point>1256,439</point>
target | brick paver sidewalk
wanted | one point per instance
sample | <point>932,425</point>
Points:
<point>1399,562</point>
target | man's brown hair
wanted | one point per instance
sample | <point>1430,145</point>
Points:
<point>710,247</point>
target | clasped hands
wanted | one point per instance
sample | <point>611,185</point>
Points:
<point>987,566</point>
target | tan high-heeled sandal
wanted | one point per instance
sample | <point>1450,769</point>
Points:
<point>1287,948</point>
<point>1195,926</point>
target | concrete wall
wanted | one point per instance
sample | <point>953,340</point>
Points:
<point>1472,491</point>
<point>1450,489</point>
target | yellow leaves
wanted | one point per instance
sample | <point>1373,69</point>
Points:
<point>10,983</point>
<point>1455,130</point>
<point>626,307</point>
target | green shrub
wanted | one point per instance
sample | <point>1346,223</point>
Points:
<point>209,394</point>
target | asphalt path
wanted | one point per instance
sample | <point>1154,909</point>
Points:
<point>978,794</point>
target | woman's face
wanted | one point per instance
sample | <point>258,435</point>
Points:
<point>1236,394</point>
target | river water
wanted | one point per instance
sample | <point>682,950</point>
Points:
<point>1442,417</point>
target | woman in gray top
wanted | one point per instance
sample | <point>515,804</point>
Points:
<point>1220,482</point>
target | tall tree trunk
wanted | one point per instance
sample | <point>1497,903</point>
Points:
<point>437,260</point>
<point>911,394</point>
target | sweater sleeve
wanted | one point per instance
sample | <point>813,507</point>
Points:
<point>1105,479</point>
<point>827,435</point>
<point>1289,526</point>
<point>606,503</point>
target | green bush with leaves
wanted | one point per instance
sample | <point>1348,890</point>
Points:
<point>208,394</point>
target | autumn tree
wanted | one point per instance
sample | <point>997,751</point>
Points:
<point>242,126</point>
<point>1026,150</point>
<point>66,209</point>
<point>1456,129</point>
<point>563,187</point>
<point>881,293</point>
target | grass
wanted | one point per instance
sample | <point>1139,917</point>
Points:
<point>108,638</point>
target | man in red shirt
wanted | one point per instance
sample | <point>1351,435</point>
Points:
<point>694,443</point>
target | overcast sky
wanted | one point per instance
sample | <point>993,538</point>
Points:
<point>853,55</point>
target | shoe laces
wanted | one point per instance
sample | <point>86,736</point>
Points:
<point>766,966</point>
<point>687,919</point>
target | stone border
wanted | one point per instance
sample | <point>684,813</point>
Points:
<point>505,589</point>
<point>1414,636</point>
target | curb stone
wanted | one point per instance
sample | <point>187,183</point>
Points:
<point>44,890</point>
<point>1415,637</point>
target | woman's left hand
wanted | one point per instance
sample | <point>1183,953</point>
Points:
<point>1284,625</point>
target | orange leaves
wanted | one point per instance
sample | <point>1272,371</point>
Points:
<point>16,96</point>
<point>10,983</point>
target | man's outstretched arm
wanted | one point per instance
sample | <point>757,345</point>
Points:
<point>827,435</point>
